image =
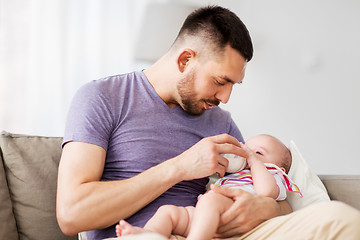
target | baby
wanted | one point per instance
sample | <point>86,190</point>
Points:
<point>268,161</point>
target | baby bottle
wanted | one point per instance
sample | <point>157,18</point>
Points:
<point>236,163</point>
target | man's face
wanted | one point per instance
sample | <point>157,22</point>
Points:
<point>192,102</point>
<point>210,82</point>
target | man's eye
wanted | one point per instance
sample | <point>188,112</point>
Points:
<point>220,83</point>
<point>259,153</point>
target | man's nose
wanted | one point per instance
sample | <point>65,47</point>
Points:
<point>224,93</point>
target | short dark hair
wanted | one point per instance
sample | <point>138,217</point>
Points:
<point>221,27</point>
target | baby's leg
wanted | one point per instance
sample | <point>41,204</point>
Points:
<point>207,215</point>
<point>170,219</point>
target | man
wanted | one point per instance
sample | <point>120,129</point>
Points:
<point>137,141</point>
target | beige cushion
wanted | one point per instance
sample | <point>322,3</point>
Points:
<point>345,188</point>
<point>7,220</point>
<point>31,164</point>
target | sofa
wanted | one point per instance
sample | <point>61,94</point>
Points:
<point>28,178</point>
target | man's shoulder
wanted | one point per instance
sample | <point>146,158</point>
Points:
<point>118,79</point>
<point>113,83</point>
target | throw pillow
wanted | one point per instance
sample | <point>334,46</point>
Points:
<point>8,228</point>
<point>310,185</point>
<point>31,165</point>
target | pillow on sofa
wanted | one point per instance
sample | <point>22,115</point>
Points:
<point>8,228</point>
<point>310,185</point>
<point>31,165</point>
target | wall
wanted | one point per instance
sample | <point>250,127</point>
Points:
<point>304,82</point>
<point>48,49</point>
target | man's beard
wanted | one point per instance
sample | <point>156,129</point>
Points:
<point>186,90</point>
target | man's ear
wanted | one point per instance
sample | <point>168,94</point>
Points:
<point>184,58</point>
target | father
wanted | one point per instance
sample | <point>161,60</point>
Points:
<point>136,141</point>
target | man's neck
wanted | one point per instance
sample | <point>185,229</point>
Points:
<point>163,79</point>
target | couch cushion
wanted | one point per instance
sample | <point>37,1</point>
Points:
<point>31,164</point>
<point>345,188</point>
<point>8,226</point>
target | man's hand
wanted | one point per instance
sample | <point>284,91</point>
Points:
<point>248,211</point>
<point>204,158</point>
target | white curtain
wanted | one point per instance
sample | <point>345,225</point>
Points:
<point>49,48</point>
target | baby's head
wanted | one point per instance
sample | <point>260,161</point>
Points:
<point>270,150</point>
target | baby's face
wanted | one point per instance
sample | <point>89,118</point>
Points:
<point>267,148</point>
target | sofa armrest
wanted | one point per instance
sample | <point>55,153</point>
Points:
<point>345,188</point>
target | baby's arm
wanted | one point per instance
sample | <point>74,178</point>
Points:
<point>263,181</point>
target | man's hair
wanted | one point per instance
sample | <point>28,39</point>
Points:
<point>221,27</point>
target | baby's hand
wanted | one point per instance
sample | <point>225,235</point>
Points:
<point>251,155</point>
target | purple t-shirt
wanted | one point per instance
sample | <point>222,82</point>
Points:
<point>124,115</point>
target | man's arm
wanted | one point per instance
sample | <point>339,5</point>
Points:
<point>248,211</point>
<point>84,202</point>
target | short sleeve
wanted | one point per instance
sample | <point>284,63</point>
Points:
<point>282,189</point>
<point>90,117</point>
